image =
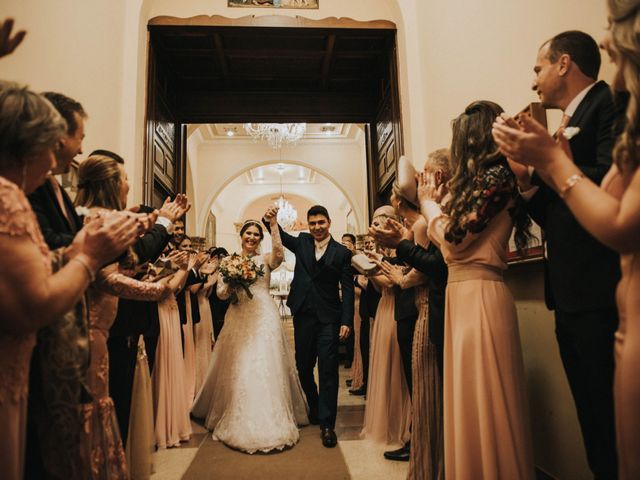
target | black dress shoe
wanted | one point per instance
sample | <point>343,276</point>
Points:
<point>400,455</point>
<point>348,381</point>
<point>328,436</point>
<point>359,391</point>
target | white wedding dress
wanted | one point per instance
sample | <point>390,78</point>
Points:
<point>251,397</point>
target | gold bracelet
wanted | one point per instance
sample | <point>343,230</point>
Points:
<point>92,276</point>
<point>569,183</point>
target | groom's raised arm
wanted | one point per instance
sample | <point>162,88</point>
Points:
<point>289,241</point>
<point>346,284</point>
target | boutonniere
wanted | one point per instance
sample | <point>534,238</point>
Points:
<point>570,132</point>
<point>82,211</point>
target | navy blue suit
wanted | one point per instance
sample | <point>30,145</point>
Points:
<point>319,310</point>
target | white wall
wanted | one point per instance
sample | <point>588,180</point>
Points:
<point>450,53</point>
<point>472,50</point>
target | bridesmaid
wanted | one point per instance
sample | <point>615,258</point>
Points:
<point>31,296</point>
<point>486,420</point>
<point>103,186</point>
<point>387,413</point>
<point>610,213</point>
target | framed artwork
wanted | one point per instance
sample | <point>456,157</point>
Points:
<point>302,4</point>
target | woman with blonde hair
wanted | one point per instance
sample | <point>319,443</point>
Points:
<point>611,212</point>
<point>103,186</point>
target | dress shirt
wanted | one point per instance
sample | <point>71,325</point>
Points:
<point>321,247</point>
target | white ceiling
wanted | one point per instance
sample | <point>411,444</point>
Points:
<point>334,132</point>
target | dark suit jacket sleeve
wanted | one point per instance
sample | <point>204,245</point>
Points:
<point>537,205</point>
<point>151,244</point>
<point>605,118</point>
<point>346,282</point>
<point>54,239</point>
<point>289,241</point>
<point>429,263</point>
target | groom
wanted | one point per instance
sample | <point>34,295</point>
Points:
<point>321,319</point>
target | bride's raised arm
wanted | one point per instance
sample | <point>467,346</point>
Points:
<point>276,256</point>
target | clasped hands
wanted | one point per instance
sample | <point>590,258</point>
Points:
<point>525,142</point>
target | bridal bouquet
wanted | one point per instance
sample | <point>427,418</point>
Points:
<point>239,271</point>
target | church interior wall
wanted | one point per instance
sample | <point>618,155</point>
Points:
<point>450,53</point>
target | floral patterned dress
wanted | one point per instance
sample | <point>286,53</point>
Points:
<point>16,219</point>
<point>101,436</point>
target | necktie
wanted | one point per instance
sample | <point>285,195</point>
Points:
<point>563,123</point>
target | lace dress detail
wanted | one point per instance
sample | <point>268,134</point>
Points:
<point>17,219</point>
<point>100,435</point>
<point>251,397</point>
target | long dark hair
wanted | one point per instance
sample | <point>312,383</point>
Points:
<point>473,151</point>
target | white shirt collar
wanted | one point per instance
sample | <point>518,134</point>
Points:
<point>322,243</point>
<point>573,105</point>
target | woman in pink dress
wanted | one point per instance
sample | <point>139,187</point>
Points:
<point>486,420</point>
<point>610,213</point>
<point>102,185</point>
<point>30,295</point>
<point>387,414</point>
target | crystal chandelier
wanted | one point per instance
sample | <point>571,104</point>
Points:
<point>276,134</point>
<point>287,215</point>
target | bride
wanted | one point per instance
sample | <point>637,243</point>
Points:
<point>251,397</point>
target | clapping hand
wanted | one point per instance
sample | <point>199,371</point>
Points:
<point>8,43</point>
<point>428,189</point>
<point>391,236</point>
<point>174,209</point>
<point>392,272</point>
<point>199,260</point>
<point>210,267</point>
<point>530,143</point>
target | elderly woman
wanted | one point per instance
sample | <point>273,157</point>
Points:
<point>30,295</point>
<point>610,212</point>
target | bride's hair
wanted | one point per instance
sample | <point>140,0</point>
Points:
<point>250,223</point>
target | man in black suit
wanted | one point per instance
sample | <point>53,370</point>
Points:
<point>60,359</point>
<point>320,317</point>
<point>581,274</point>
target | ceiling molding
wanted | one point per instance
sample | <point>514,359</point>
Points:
<point>283,21</point>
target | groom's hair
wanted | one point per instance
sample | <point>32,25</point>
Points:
<point>318,210</point>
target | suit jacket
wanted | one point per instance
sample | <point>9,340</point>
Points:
<point>404,306</point>
<point>581,274</point>
<point>430,262</point>
<point>135,317</point>
<point>55,228</point>
<point>316,285</point>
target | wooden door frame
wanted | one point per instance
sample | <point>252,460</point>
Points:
<point>268,21</point>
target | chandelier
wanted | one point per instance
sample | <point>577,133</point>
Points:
<point>287,215</point>
<point>276,134</point>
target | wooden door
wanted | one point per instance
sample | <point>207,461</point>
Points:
<point>384,139</point>
<point>164,165</point>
